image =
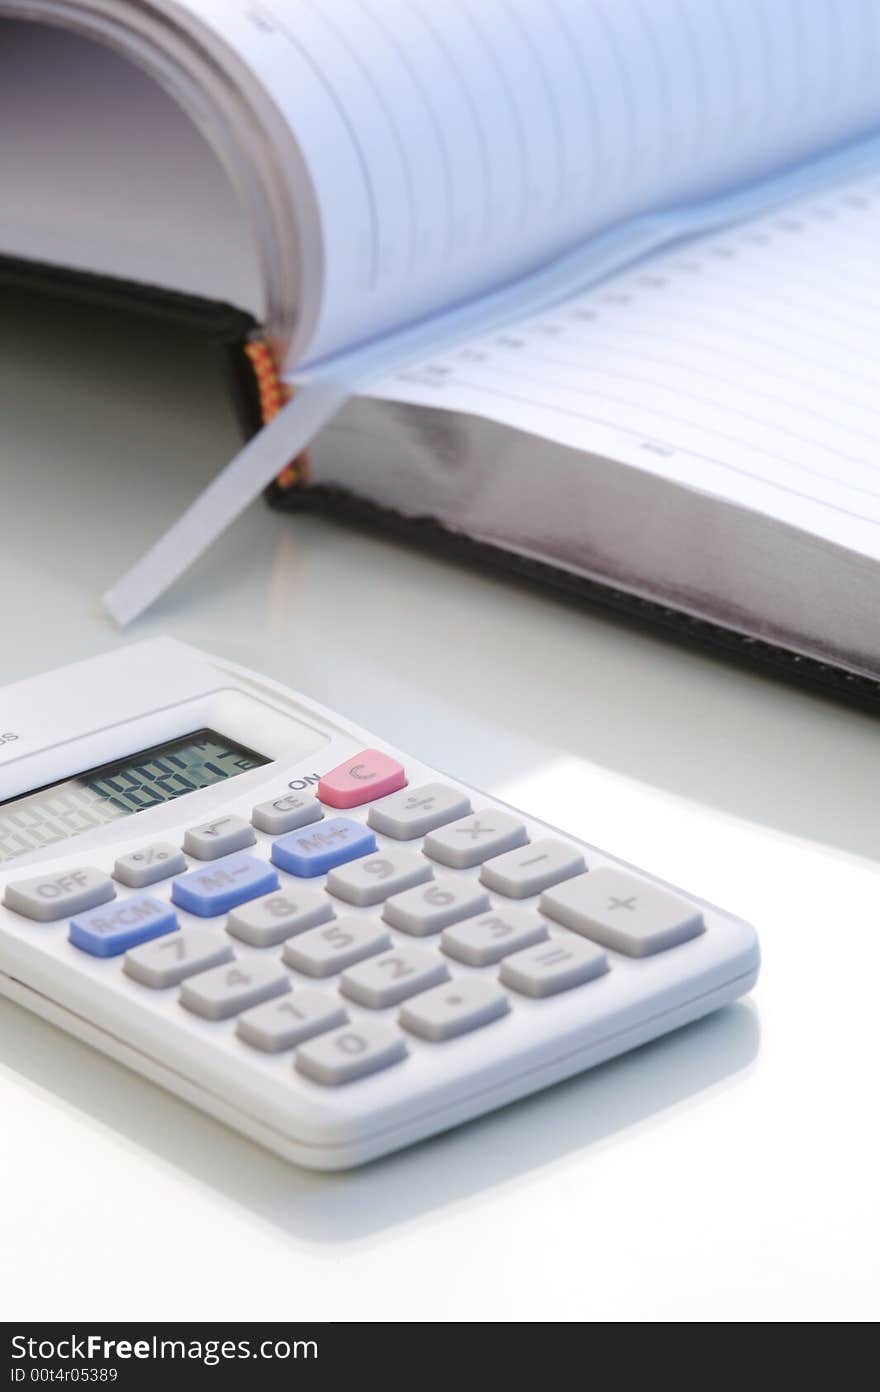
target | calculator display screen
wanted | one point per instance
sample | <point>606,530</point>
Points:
<point>116,790</point>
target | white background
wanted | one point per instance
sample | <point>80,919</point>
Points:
<point>728,1172</point>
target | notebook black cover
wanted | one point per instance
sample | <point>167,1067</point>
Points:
<point>224,330</point>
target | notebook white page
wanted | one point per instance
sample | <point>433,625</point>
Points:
<point>745,364</point>
<point>456,145</point>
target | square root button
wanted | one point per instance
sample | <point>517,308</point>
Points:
<point>622,912</point>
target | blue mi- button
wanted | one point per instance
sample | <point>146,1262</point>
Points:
<point>223,885</point>
<point>114,928</point>
<point>316,849</point>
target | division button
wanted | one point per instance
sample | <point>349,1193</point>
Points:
<point>284,1023</point>
<point>221,837</point>
<point>351,1052</point>
<point>479,942</point>
<point>114,928</point>
<point>553,966</point>
<point>215,889</point>
<point>48,897</point>
<point>315,850</point>
<point>274,918</point>
<point>286,812</point>
<point>471,840</point>
<point>374,878</point>
<point>416,811</point>
<point>391,978</point>
<point>623,912</point>
<point>170,960</point>
<point>149,864</point>
<point>529,869</point>
<point>454,1009</point>
<point>227,990</point>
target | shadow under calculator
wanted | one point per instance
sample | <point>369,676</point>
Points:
<point>338,1208</point>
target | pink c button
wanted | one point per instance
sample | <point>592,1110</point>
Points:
<point>363,778</point>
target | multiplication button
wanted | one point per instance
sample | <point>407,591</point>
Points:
<point>471,840</point>
<point>623,912</point>
<point>48,897</point>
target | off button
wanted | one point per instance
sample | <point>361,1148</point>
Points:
<point>47,897</point>
<point>362,778</point>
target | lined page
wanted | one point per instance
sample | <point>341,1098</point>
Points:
<point>454,145</point>
<point>745,364</point>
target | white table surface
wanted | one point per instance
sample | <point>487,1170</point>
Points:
<point>728,1172</point>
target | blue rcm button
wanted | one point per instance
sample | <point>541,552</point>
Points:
<point>316,849</point>
<point>114,928</point>
<point>223,884</point>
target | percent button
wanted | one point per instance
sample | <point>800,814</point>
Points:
<point>148,864</point>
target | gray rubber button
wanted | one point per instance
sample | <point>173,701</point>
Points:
<point>149,864</point>
<point>219,838</point>
<point>623,912</point>
<point>429,908</point>
<point>287,812</point>
<point>276,917</point>
<point>324,951</point>
<point>376,877</point>
<point>415,811</point>
<point>227,990</point>
<point>471,840</point>
<point>282,1024</point>
<point>482,941</point>
<point>47,897</point>
<point>351,1052</point>
<point>553,966</point>
<point>454,1009</point>
<point>391,978</point>
<point>168,961</point>
<point>529,869</point>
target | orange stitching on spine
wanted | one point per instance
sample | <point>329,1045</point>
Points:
<point>273,394</point>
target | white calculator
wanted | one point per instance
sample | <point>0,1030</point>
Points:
<point>315,938</point>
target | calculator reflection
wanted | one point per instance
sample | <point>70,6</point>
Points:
<point>565,1121</point>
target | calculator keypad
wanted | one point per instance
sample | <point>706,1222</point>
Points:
<point>47,898</point>
<point>471,840</point>
<point>526,871</point>
<point>462,874</point>
<point>325,951</point>
<point>414,812</point>
<point>426,910</point>
<point>486,939</point>
<point>276,917</point>
<point>351,1052</point>
<point>219,838</point>
<point>113,928</point>
<point>289,1020</point>
<point>169,960</point>
<point>457,1008</point>
<point>215,889</point>
<point>623,912</point>
<point>377,877</point>
<point>227,990</point>
<point>391,978</point>
<point>149,864</point>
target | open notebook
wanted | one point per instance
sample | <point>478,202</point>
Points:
<point>590,285</point>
